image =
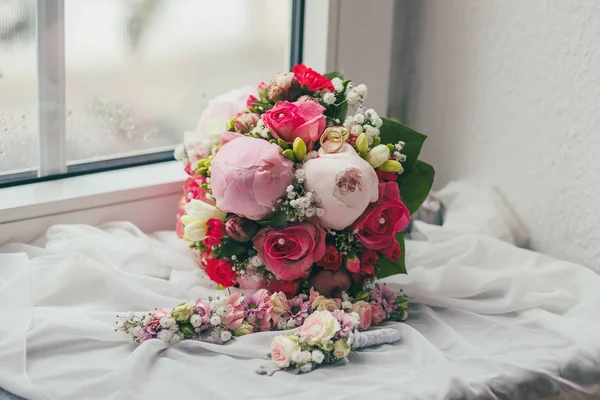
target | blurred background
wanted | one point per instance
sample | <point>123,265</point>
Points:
<point>138,72</point>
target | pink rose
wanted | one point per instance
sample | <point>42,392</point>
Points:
<point>235,312</point>
<point>344,185</point>
<point>365,313</point>
<point>377,226</point>
<point>251,280</point>
<point>305,120</point>
<point>377,313</point>
<point>290,252</point>
<point>331,284</point>
<point>248,175</point>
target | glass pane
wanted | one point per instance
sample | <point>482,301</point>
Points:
<point>140,72</point>
<point>18,87</point>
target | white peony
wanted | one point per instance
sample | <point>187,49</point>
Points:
<point>197,213</point>
<point>343,183</point>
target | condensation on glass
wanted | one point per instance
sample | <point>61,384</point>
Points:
<point>18,86</point>
<point>140,72</point>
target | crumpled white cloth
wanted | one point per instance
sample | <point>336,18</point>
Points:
<point>489,320</point>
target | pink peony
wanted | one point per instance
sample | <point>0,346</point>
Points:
<point>235,312</point>
<point>248,175</point>
<point>290,252</point>
<point>378,225</point>
<point>343,183</point>
<point>288,121</point>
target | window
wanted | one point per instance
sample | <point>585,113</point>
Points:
<point>87,85</point>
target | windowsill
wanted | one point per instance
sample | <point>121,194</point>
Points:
<point>90,191</point>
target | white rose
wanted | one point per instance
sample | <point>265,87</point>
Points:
<point>197,213</point>
<point>341,349</point>
<point>378,155</point>
<point>226,336</point>
<point>319,328</point>
<point>215,320</point>
<point>282,348</point>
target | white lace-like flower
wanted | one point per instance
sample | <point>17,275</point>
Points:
<point>329,98</point>
<point>226,336</point>
<point>167,322</point>
<point>338,85</point>
<point>165,335</point>
<point>196,320</point>
<point>215,320</point>
<point>317,356</point>
<point>306,368</point>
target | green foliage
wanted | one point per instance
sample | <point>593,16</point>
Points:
<point>393,132</point>
<point>415,186</point>
<point>277,222</point>
<point>231,248</point>
<point>387,267</point>
<point>334,74</point>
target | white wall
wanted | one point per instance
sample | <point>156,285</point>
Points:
<point>509,91</point>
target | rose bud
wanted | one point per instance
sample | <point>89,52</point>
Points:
<point>283,86</point>
<point>244,123</point>
<point>241,229</point>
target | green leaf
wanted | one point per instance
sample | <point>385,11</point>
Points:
<point>231,248</point>
<point>415,187</point>
<point>277,222</point>
<point>334,74</point>
<point>187,330</point>
<point>387,267</point>
<point>393,132</point>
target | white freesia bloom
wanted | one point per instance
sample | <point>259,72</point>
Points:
<point>197,213</point>
<point>378,155</point>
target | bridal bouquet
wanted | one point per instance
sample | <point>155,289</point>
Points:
<point>289,190</point>
<point>298,192</point>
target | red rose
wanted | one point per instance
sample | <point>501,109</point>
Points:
<point>215,232</point>
<point>331,260</point>
<point>392,252</point>
<point>311,79</point>
<point>220,271</point>
<point>385,176</point>
<point>305,120</point>
<point>377,226</point>
<point>289,288</point>
<point>366,267</point>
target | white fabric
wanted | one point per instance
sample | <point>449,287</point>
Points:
<point>491,315</point>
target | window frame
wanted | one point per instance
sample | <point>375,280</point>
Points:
<point>148,195</point>
<point>52,113</point>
